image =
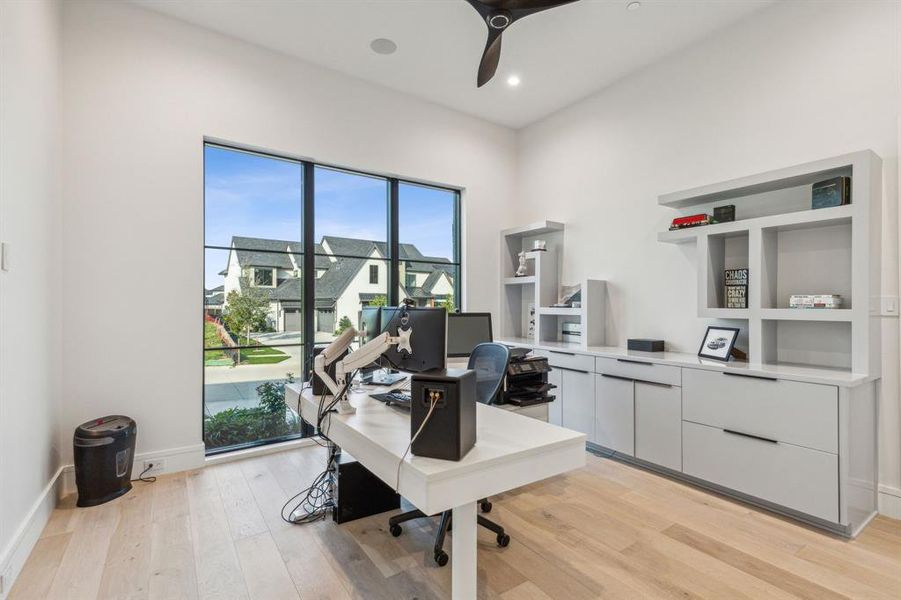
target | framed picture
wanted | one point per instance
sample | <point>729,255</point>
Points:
<point>718,342</point>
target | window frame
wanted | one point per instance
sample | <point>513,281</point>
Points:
<point>373,274</point>
<point>308,256</point>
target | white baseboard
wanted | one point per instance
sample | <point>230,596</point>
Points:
<point>177,459</point>
<point>890,501</point>
<point>13,557</point>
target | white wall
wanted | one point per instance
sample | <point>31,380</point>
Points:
<point>797,82</point>
<point>140,93</point>
<point>30,292</point>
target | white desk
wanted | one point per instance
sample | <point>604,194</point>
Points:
<point>511,451</point>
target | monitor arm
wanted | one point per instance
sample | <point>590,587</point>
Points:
<point>366,355</point>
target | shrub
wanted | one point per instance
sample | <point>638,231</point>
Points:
<point>270,419</point>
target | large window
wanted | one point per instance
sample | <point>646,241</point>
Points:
<point>367,241</point>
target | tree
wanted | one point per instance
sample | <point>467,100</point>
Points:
<point>246,311</point>
<point>343,325</point>
<point>448,304</point>
<point>379,301</point>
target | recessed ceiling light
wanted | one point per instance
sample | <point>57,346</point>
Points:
<point>513,80</point>
<point>383,46</point>
<point>633,6</point>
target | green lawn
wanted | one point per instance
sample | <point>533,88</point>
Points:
<point>260,355</point>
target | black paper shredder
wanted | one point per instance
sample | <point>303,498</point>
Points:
<point>104,455</point>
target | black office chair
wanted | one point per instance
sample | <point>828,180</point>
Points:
<point>489,361</point>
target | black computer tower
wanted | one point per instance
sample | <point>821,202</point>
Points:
<point>357,492</point>
<point>451,430</point>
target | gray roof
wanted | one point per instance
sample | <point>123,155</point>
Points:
<point>214,300</point>
<point>289,289</point>
<point>257,252</point>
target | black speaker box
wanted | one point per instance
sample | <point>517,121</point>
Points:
<point>645,345</point>
<point>451,430</point>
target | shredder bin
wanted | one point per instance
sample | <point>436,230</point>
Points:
<point>104,452</point>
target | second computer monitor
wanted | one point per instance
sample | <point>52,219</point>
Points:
<point>370,323</point>
<point>428,340</point>
<point>465,331</point>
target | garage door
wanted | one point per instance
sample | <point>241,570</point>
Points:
<point>293,320</point>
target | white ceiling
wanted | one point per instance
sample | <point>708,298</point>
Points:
<point>561,55</point>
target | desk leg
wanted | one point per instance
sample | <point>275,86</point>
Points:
<point>465,548</point>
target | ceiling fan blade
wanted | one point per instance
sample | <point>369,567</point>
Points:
<point>490,57</point>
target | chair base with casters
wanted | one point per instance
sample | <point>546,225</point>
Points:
<point>489,361</point>
<point>503,540</point>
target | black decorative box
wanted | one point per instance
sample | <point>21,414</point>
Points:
<point>724,214</point>
<point>831,192</point>
<point>645,345</point>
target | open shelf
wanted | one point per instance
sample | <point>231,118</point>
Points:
<point>562,311</point>
<point>725,251</point>
<point>519,280</point>
<point>806,314</point>
<point>789,249</point>
<point>762,183</point>
<point>808,260</point>
<point>794,220</point>
<point>807,343</point>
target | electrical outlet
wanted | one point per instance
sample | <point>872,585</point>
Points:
<point>888,306</point>
<point>154,465</point>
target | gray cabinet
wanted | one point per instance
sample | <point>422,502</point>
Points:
<point>658,424</point>
<point>615,413</point>
<point>577,408</point>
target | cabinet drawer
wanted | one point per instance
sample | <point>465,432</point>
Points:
<point>567,360</point>
<point>799,478</point>
<point>643,371</point>
<point>805,414</point>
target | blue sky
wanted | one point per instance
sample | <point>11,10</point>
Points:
<point>256,196</point>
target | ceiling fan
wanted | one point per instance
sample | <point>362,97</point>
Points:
<point>498,16</point>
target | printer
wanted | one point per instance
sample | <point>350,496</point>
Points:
<point>526,381</point>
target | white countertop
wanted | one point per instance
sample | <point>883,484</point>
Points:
<point>511,450</point>
<point>790,372</point>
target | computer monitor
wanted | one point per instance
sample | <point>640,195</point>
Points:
<point>428,340</point>
<point>465,331</point>
<point>370,323</point>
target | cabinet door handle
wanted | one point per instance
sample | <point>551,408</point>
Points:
<point>635,362</point>
<point>571,370</point>
<point>749,376</point>
<point>617,377</point>
<point>561,352</point>
<point>657,383</point>
<point>751,435</point>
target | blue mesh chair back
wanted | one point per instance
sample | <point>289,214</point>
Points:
<point>489,361</point>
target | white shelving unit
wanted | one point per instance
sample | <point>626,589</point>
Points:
<point>530,298</point>
<point>788,249</point>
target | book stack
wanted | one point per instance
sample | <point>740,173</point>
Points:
<point>815,301</point>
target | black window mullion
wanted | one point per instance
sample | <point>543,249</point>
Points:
<point>309,267</point>
<point>458,251</point>
<point>394,241</point>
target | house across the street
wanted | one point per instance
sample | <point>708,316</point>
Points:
<point>350,274</point>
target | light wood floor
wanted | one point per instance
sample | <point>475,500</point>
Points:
<point>606,531</point>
